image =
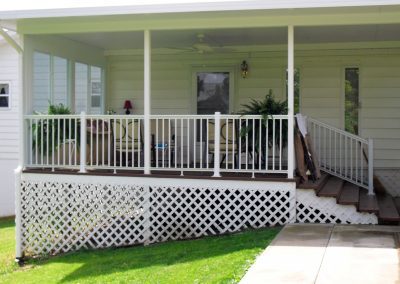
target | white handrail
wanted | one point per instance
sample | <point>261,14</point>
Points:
<point>214,143</point>
<point>343,154</point>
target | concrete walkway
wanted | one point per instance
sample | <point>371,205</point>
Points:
<point>313,253</point>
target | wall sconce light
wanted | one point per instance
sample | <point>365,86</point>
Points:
<point>127,106</point>
<point>244,67</point>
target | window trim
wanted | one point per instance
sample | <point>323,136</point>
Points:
<point>7,95</point>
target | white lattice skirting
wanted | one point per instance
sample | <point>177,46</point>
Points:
<point>61,213</point>
<point>313,209</point>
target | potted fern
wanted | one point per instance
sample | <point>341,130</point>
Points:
<point>266,107</point>
<point>49,134</point>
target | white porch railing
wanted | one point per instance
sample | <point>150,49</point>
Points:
<point>214,143</point>
<point>343,154</point>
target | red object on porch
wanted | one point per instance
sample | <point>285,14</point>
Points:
<point>127,106</point>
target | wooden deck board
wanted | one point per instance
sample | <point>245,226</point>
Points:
<point>332,188</point>
<point>170,174</point>
<point>387,208</point>
<point>367,203</point>
<point>315,185</point>
<point>350,194</point>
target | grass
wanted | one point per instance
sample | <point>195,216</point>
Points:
<point>222,259</point>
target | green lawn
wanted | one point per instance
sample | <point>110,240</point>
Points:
<point>221,259</point>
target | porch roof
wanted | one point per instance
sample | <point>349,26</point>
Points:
<point>24,9</point>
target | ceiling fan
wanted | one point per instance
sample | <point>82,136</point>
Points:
<point>202,45</point>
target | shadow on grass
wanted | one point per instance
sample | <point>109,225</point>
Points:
<point>7,222</point>
<point>108,261</point>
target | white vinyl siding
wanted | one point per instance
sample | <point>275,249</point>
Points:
<point>60,81</point>
<point>172,90</point>
<point>321,89</point>
<point>81,87</point>
<point>9,129</point>
<point>41,81</point>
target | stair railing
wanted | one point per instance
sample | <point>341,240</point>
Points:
<point>343,154</point>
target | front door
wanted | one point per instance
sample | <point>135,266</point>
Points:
<point>212,92</point>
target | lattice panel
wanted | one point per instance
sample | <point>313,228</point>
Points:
<point>179,213</point>
<point>66,213</point>
<point>60,217</point>
<point>314,209</point>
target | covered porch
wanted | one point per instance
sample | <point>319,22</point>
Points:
<point>186,90</point>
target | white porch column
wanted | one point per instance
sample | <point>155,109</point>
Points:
<point>290,101</point>
<point>147,100</point>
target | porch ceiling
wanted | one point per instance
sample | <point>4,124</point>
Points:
<point>240,37</point>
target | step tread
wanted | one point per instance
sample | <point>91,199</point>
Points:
<point>367,203</point>
<point>350,194</point>
<point>332,188</point>
<point>397,203</point>
<point>315,185</point>
<point>387,208</point>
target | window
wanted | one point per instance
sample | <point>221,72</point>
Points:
<point>296,89</point>
<point>212,92</point>
<point>51,84</point>
<point>96,89</point>
<point>351,107</point>
<point>5,95</point>
<point>50,81</point>
<point>88,89</point>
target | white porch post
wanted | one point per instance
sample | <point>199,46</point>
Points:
<point>82,165</point>
<point>290,101</point>
<point>147,101</point>
<point>217,144</point>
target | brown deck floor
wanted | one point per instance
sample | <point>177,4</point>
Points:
<point>167,174</point>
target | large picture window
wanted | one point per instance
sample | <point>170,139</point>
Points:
<point>51,85</point>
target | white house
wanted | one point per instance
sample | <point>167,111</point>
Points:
<point>9,126</point>
<point>184,163</point>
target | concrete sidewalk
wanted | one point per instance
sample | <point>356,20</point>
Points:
<point>324,253</point>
